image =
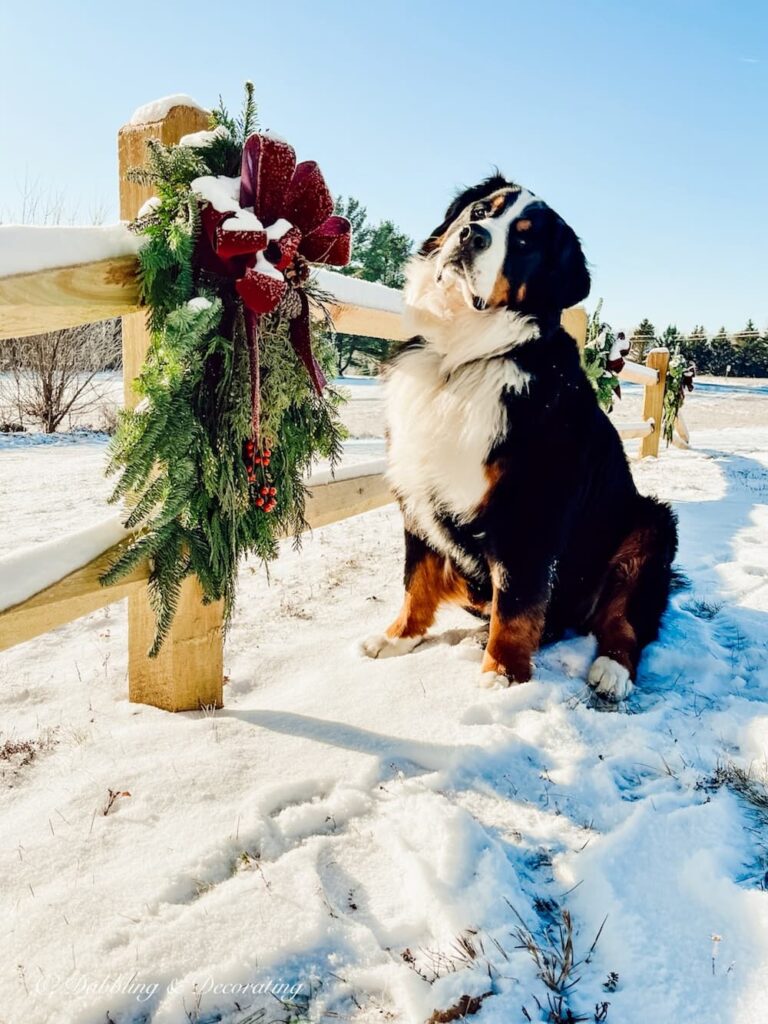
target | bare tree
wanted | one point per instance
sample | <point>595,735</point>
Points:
<point>45,379</point>
<point>37,204</point>
<point>56,375</point>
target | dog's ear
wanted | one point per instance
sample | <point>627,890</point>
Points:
<point>568,279</point>
<point>463,199</point>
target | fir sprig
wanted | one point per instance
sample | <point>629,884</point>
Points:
<point>224,152</point>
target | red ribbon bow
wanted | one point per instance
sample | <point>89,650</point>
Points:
<point>285,210</point>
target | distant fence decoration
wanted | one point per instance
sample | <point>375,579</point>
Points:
<point>55,277</point>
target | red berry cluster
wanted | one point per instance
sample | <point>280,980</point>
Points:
<point>256,464</point>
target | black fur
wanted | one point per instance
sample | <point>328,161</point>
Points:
<point>565,501</point>
<point>547,259</point>
<point>563,519</point>
<point>463,199</point>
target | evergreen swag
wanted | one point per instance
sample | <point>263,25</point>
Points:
<point>602,358</point>
<point>680,374</point>
<point>198,485</point>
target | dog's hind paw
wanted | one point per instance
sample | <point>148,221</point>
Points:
<point>382,646</point>
<point>609,679</point>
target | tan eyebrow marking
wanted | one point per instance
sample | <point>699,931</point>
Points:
<point>522,225</point>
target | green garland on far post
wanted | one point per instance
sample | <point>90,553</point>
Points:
<point>596,359</point>
<point>184,455</point>
<point>680,374</point>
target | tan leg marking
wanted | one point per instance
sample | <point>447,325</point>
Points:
<point>512,642</point>
<point>616,636</point>
<point>433,582</point>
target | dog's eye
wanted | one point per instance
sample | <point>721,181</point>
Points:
<point>479,211</point>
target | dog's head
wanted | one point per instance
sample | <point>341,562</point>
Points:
<point>502,247</point>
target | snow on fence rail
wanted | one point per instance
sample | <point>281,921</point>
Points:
<point>54,277</point>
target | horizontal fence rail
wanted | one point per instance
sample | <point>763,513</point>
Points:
<point>36,609</point>
<point>57,277</point>
<point>65,296</point>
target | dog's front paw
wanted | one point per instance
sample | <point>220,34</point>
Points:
<point>517,670</point>
<point>609,679</point>
<point>492,681</point>
<point>382,646</point>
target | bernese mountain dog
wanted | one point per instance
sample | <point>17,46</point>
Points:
<point>516,495</point>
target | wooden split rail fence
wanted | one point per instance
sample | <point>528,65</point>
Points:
<point>188,673</point>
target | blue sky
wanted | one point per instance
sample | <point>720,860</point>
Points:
<point>642,123</point>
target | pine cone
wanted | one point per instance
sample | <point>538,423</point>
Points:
<point>297,272</point>
<point>291,304</point>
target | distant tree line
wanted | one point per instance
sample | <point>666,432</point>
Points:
<point>381,251</point>
<point>742,354</point>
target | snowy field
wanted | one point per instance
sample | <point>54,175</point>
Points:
<point>374,840</point>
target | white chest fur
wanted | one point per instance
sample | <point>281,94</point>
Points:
<point>442,426</point>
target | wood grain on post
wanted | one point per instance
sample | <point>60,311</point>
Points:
<point>188,672</point>
<point>48,300</point>
<point>132,152</point>
<point>574,321</point>
<point>73,596</point>
<point>653,400</point>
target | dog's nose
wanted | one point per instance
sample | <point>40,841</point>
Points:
<point>475,237</point>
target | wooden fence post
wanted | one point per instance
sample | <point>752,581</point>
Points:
<point>574,321</point>
<point>653,400</point>
<point>188,672</point>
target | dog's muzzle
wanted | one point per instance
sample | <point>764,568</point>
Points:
<point>474,238</point>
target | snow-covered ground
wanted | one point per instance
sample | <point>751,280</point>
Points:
<point>359,837</point>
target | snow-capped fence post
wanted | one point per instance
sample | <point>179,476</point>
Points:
<point>653,399</point>
<point>188,672</point>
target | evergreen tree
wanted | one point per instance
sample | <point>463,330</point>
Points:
<point>642,341</point>
<point>671,338</point>
<point>749,334</point>
<point>695,349</point>
<point>379,253</point>
<point>753,361</point>
<point>357,215</point>
<point>721,354</point>
<point>386,256</point>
